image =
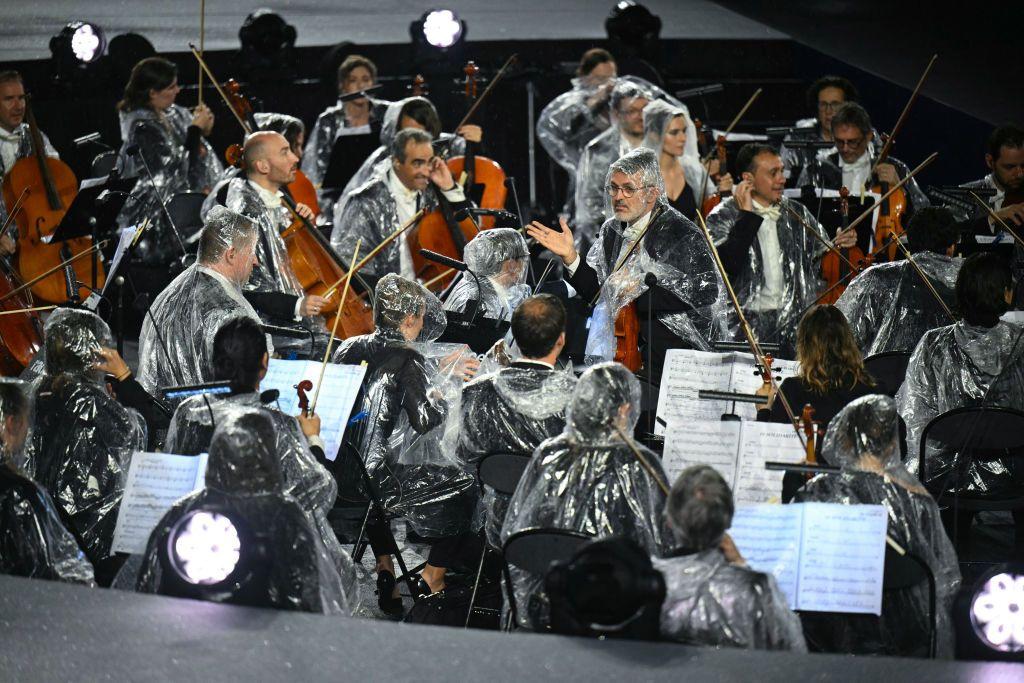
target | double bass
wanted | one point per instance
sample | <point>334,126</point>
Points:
<point>51,187</point>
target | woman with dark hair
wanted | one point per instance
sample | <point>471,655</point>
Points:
<point>166,140</point>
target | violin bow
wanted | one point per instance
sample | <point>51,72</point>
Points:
<point>924,279</point>
<point>377,249</point>
<point>642,460</point>
<point>494,81</point>
<point>994,216</point>
<point>901,183</point>
<point>220,91</point>
<point>14,211</point>
<point>334,329</point>
<point>28,310</point>
<point>831,247</point>
<point>202,47</point>
<point>51,271</point>
<point>625,257</point>
<point>903,116</point>
<point>707,158</point>
<point>748,333</point>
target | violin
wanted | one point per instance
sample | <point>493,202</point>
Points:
<point>714,200</point>
<point>318,268</point>
<point>627,337</point>
<point>837,270</point>
<point>300,390</point>
<point>51,187</point>
<point>812,435</point>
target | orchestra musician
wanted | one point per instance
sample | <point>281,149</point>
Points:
<point>764,241</point>
<point>499,259</point>
<point>825,96</point>
<point>273,289</point>
<point>15,141</point>
<point>850,164</point>
<point>168,141</point>
<point>1005,161</point>
<point>355,73</point>
<point>410,182</point>
<point>645,238</point>
<point>293,130</point>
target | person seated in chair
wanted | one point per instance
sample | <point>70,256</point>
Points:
<point>979,360</point>
<point>712,597</point>
<point>499,259</point>
<point>244,483</point>
<point>33,539</point>
<point>516,408</point>
<point>864,441</point>
<point>889,306</point>
<point>591,478</point>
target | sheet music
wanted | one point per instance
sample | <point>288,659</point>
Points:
<point>760,442</point>
<point>155,481</point>
<point>768,538</point>
<point>334,404</point>
<point>127,235</point>
<point>688,371</point>
<point>843,558</point>
<point>701,442</point>
<point>826,557</point>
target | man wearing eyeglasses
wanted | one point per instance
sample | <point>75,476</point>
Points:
<point>825,96</point>
<point>645,237</point>
<point>849,165</point>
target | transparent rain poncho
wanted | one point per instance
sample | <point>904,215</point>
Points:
<point>176,343</point>
<point>592,204</point>
<point>708,600</point>
<point>573,119</point>
<point>673,250</point>
<point>863,440</point>
<point>953,367</point>
<point>160,139</point>
<point>801,267</point>
<point>511,411</point>
<point>890,308</point>
<point>305,479</point>
<point>658,114</point>
<point>83,438</point>
<point>499,258</point>
<point>586,479</point>
<point>828,173</point>
<point>325,133</point>
<point>244,479</point>
<point>410,402</point>
<point>379,161</point>
<point>33,540</point>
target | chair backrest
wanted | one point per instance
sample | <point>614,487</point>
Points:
<point>906,571</point>
<point>535,549</point>
<point>184,208</point>
<point>103,163</point>
<point>888,370</point>
<point>985,433</point>
<point>502,471</point>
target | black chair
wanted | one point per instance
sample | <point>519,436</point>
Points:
<point>888,370</point>
<point>184,208</point>
<point>103,163</point>
<point>535,550</point>
<point>502,472</point>
<point>980,434</point>
<point>906,571</point>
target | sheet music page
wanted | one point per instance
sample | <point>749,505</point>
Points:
<point>701,442</point>
<point>843,558</point>
<point>334,404</point>
<point>760,442</point>
<point>127,235</point>
<point>768,538</point>
<point>686,372</point>
<point>746,379</point>
<point>155,481</point>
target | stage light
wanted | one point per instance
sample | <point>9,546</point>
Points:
<point>997,612</point>
<point>205,547</point>
<point>438,28</point>
<point>266,33</point>
<point>79,43</point>
<point>633,25</point>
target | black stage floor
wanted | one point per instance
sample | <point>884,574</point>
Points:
<point>52,631</point>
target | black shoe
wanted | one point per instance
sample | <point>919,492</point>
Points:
<point>385,587</point>
<point>422,589</point>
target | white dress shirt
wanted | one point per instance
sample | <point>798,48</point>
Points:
<point>407,203</point>
<point>857,173</point>
<point>769,298</point>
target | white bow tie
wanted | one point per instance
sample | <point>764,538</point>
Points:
<point>771,212</point>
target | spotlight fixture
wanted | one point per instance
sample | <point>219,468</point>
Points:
<point>989,615</point>
<point>268,43</point>
<point>205,547</point>
<point>438,28</point>
<point>80,40</point>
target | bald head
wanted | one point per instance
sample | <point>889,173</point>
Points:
<point>269,159</point>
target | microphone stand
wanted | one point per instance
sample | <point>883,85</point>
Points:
<point>163,204</point>
<point>651,280</point>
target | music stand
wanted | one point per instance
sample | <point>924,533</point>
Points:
<point>347,155</point>
<point>479,334</point>
<point>94,209</point>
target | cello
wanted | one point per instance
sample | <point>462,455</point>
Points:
<point>51,187</point>
<point>839,268</point>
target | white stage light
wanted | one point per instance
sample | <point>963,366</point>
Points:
<point>206,547</point>
<point>442,28</point>
<point>997,612</point>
